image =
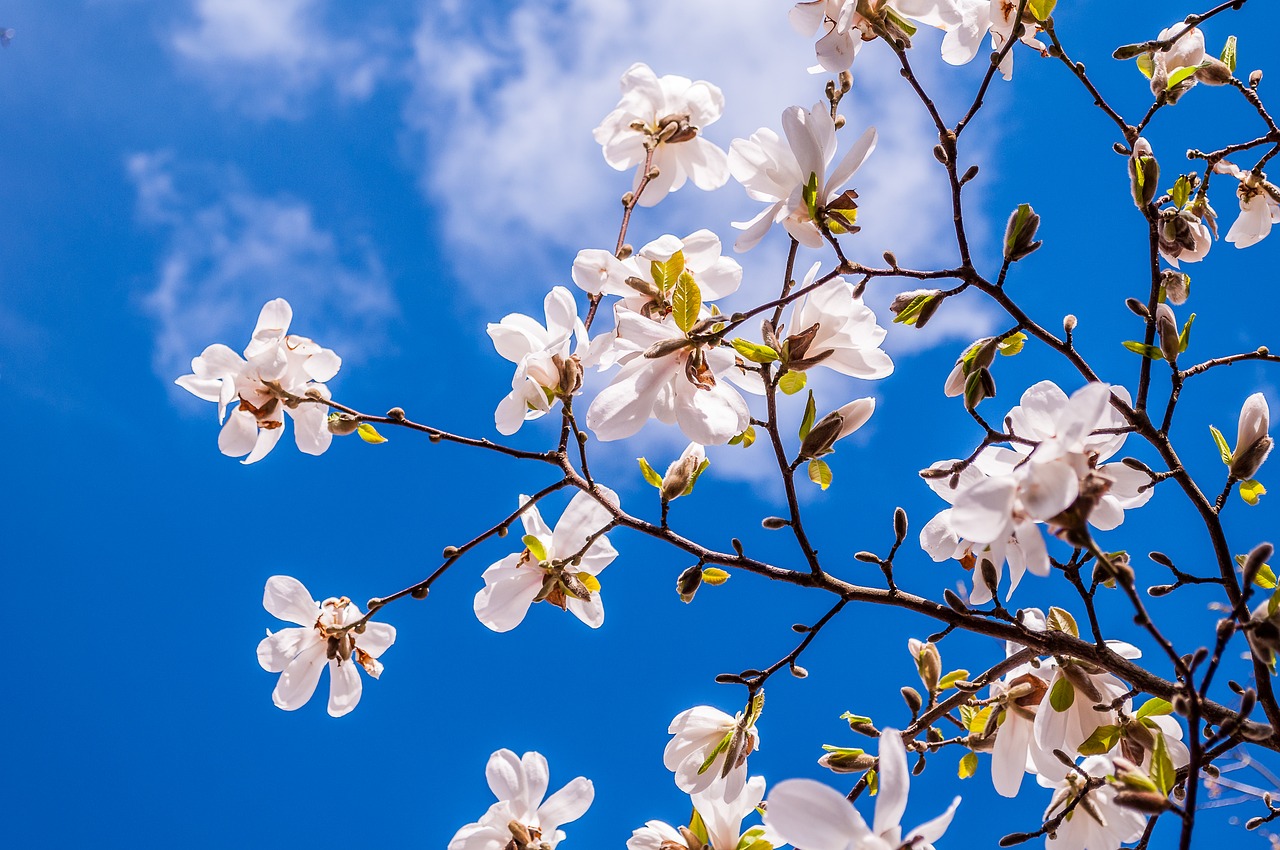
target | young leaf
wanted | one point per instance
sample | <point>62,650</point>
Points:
<point>1228,56</point>
<point>1062,695</point>
<point>1251,491</point>
<point>714,576</point>
<point>693,479</point>
<point>792,382</point>
<point>591,582</point>
<point>535,547</point>
<point>370,434</point>
<point>1062,621</point>
<point>754,351</point>
<point>666,274</point>
<point>1181,74</point>
<point>1181,192</point>
<point>968,765</point>
<point>1162,770</point>
<point>1041,9</point>
<point>1154,707</point>
<point>1221,441</point>
<point>686,302</point>
<point>1145,350</point>
<point>820,473</point>
<point>746,438</point>
<point>1185,336</point>
<point>949,680</point>
<point>977,722</point>
<point>1146,65</point>
<point>1265,578</point>
<point>1101,741</point>
<point>811,195</point>
<point>1012,345</point>
<point>810,413</point>
<point>650,474</point>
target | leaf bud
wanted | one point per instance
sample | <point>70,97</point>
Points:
<point>798,671</point>
<point>1069,323</point>
<point>1213,72</point>
<point>891,259</point>
<point>420,592</point>
<point>342,424</point>
<point>899,524</point>
<point>449,552</point>
<point>1161,589</point>
<point>1255,77</point>
<point>1137,308</point>
<point>773,523</point>
<point>1255,731</point>
<point>867,557</point>
<point>396,413</point>
<point>970,173</point>
<point>989,576</point>
<point>940,154</point>
<point>689,582</point>
<point>1020,233</point>
<point>1147,802</point>
<point>954,602</point>
<point>915,306</point>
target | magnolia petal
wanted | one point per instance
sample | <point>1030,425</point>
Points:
<point>894,780</point>
<point>982,512</point>
<point>1009,756</point>
<point>852,161</point>
<point>502,605</point>
<point>275,651</point>
<point>377,638</point>
<point>589,611</point>
<point>298,681</point>
<point>239,434</point>
<point>267,439</point>
<point>344,687</point>
<point>567,805</point>
<point>811,815</point>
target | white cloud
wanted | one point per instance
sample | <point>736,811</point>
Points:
<point>228,251</point>
<point>266,54</point>
<point>506,104</point>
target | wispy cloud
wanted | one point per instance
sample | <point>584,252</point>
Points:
<point>229,250</point>
<point>265,55</point>
<point>506,103</point>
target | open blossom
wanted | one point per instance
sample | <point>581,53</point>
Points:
<point>722,820</point>
<point>1070,724</point>
<point>846,24</point>
<point>647,279</point>
<point>1253,442</point>
<point>542,356</point>
<point>841,325</point>
<point>668,114</point>
<point>1097,822</point>
<point>1172,71</point>
<point>520,784</point>
<point>779,173</point>
<point>1015,752</point>
<point>814,816</point>
<point>670,375</point>
<point>696,734</point>
<point>1259,206</point>
<point>278,369</point>
<point>1187,235</point>
<point>299,655</point>
<point>553,566</point>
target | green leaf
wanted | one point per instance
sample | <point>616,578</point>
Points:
<point>1154,707</point>
<point>909,314</point>
<point>717,750</point>
<point>855,719</point>
<point>754,351</point>
<point>1228,55</point>
<point>666,274</point>
<point>1146,65</point>
<point>1162,770</point>
<point>697,473</point>
<point>755,709</point>
<point>370,434</point>
<point>1101,741</point>
<point>1062,695</point>
<point>844,751</point>
<point>1145,350</point>
<point>1181,74</point>
<point>1265,578</point>
<point>1062,621</point>
<point>1012,345</point>
<point>1272,604</point>
<point>650,474</point>
<point>1181,192</point>
<point>1251,491</point>
<point>873,782</point>
<point>535,547</point>
<point>746,438</point>
<point>810,413</point>
<point>714,576</point>
<point>686,302</point>
<point>1185,336</point>
<point>592,583</point>
<point>820,473</point>
<point>792,382</point>
<point>698,828</point>
<point>968,765</point>
<point>811,195</point>
<point>1223,449</point>
<point>978,721</point>
<point>949,680</point>
<point>1041,9</point>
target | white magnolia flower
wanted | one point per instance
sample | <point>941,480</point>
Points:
<point>1172,71</point>
<point>844,326</point>
<point>778,174</point>
<point>277,369</point>
<point>520,783</point>
<point>1097,823</point>
<point>299,655</point>
<point>814,816</point>
<point>845,24</point>
<point>545,569</point>
<point>1015,751</point>
<point>1253,442</point>
<point>669,375</point>
<point>1078,689</point>
<point>722,820</point>
<point>1186,236</point>
<point>697,733</point>
<point>669,114</point>
<point>540,354</point>
<point>1259,206</point>
<point>650,270</point>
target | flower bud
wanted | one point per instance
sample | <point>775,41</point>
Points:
<point>1167,332</point>
<point>1177,287</point>
<point>1213,72</point>
<point>773,523</point>
<point>1147,802</point>
<point>342,424</point>
<point>1020,233</point>
<point>1253,443</point>
<point>683,472</point>
<point>1144,173</point>
<point>847,762</point>
<point>570,375</point>
<point>928,664</point>
<point>915,306</point>
<point>913,700</point>
<point>689,582</point>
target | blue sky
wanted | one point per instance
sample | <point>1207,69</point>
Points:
<point>403,176</point>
